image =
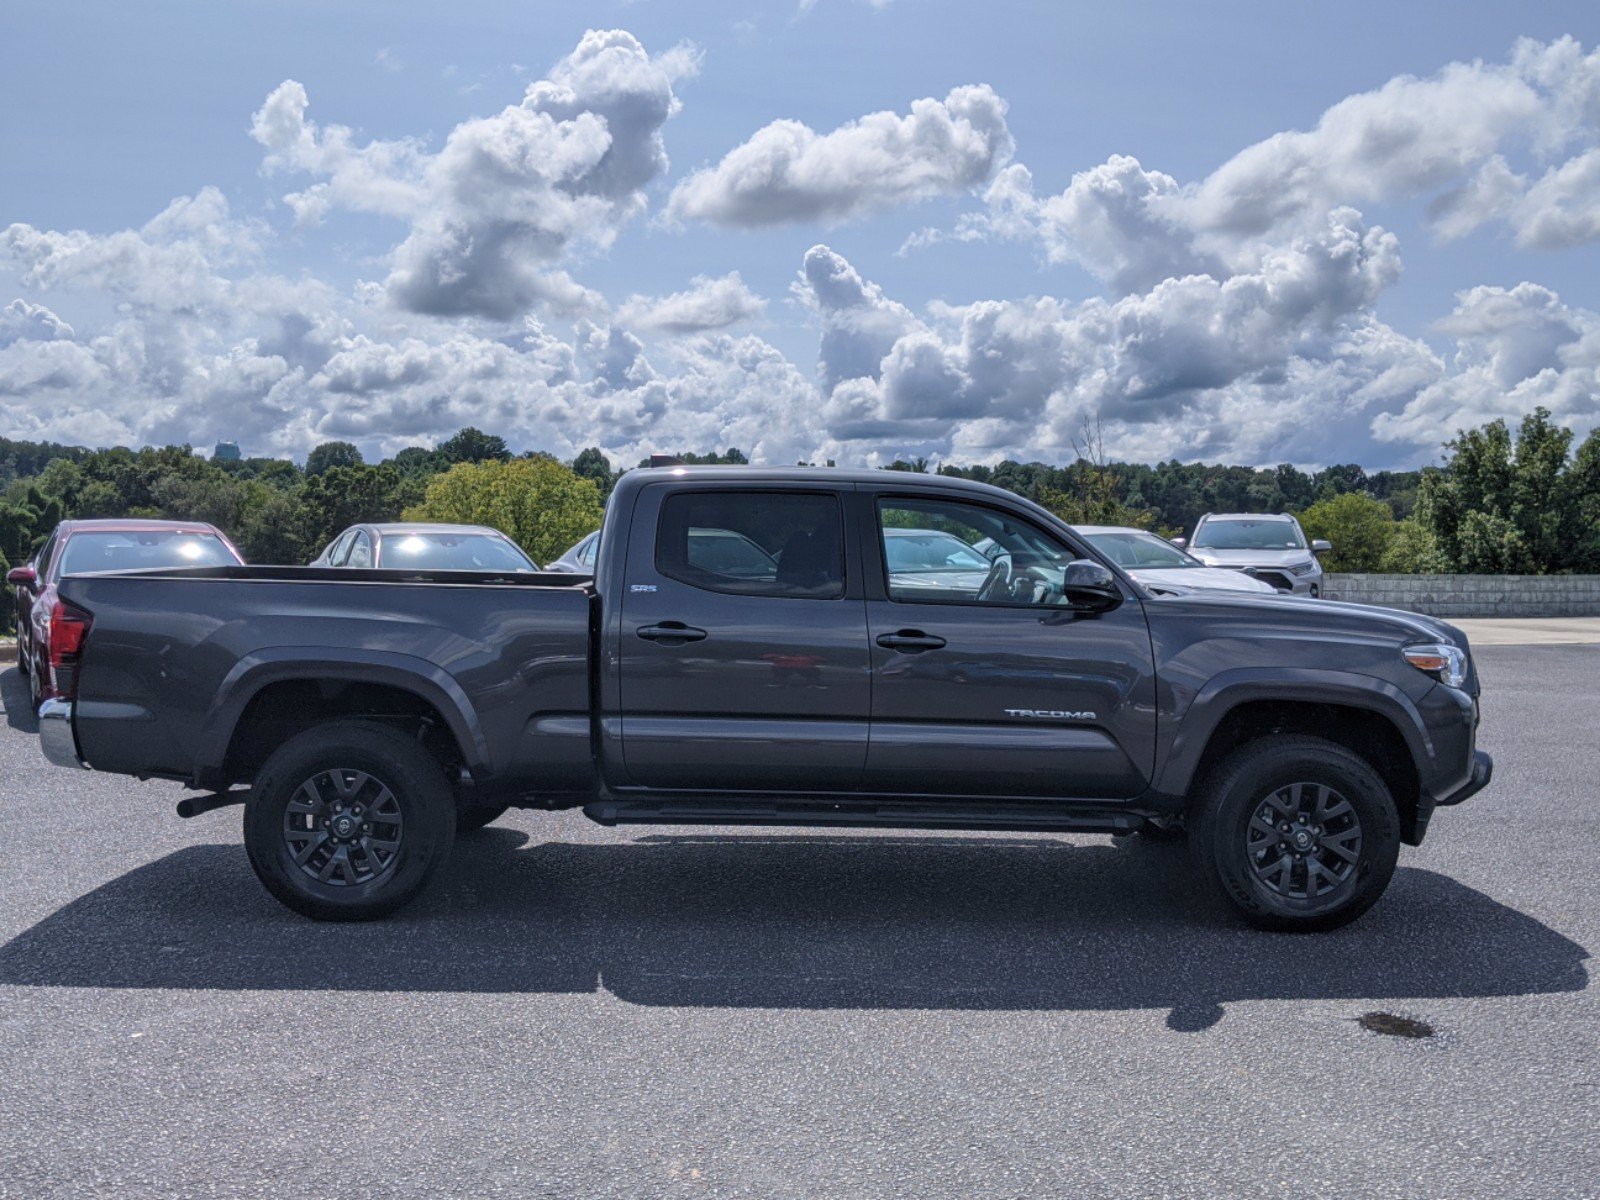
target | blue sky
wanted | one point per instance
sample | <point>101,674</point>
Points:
<point>915,294</point>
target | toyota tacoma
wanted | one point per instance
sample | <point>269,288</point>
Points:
<point>754,647</point>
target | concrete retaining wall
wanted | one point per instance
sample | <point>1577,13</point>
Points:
<point>1473,595</point>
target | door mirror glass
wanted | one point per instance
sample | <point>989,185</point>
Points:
<point>22,577</point>
<point>1321,546</point>
<point>1090,585</point>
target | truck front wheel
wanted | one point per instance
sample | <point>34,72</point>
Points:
<point>1299,833</point>
<point>348,821</point>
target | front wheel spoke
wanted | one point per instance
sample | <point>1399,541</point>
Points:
<point>1335,811</point>
<point>1343,852</point>
<point>348,788</point>
<point>1281,804</point>
<point>335,860</point>
<point>1314,872</point>
<point>1261,825</point>
<point>314,841</point>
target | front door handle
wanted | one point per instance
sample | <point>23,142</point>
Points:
<point>910,641</point>
<point>671,633</point>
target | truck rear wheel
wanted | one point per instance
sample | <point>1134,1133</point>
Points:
<point>1299,833</point>
<point>348,821</point>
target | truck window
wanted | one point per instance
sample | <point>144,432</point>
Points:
<point>945,551</point>
<point>755,543</point>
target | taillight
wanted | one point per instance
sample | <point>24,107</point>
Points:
<point>68,628</point>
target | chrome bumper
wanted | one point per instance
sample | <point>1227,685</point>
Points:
<point>56,737</point>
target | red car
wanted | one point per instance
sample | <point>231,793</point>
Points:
<point>48,631</point>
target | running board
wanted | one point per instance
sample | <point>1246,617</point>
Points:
<point>916,814</point>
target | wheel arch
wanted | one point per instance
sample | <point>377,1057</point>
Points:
<point>274,694</point>
<point>1369,717</point>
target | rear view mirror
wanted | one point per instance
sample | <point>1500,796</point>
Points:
<point>1320,546</point>
<point>1089,585</point>
<point>22,577</point>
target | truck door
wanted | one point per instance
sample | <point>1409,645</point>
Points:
<point>985,682</point>
<point>742,652</point>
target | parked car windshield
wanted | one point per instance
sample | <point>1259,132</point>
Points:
<point>1249,535</point>
<point>427,550</point>
<point>92,550</point>
<point>1132,549</point>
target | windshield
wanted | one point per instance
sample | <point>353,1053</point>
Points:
<point>931,551</point>
<point>430,551</point>
<point>1128,548</point>
<point>729,553</point>
<point>1249,535</point>
<point>91,551</point>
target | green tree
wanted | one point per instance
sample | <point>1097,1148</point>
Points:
<point>1513,505</point>
<point>539,503</point>
<point>345,496</point>
<point>1413,551</point>
<point>1360,528</point>
<point>593,465</point>
<point>473,446</point>
<point>270,527</point>
<point>332,454</point>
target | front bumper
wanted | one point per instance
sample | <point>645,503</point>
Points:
<point>1482,773</point>
<point>56,736</point>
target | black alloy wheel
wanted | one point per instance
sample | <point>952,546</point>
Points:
<point>344,827</point>
<point>349,820</point>
<point>1304,841</point>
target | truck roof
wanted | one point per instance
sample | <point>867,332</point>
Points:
<point>816,476</point>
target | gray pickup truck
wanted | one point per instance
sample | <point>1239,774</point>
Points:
<point>771,647</point>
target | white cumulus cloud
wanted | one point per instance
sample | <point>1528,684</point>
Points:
<point>788,172</point>
<point>707,304</point>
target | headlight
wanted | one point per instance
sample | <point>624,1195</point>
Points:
<point>1304,568</point>
<point>1446,663</point>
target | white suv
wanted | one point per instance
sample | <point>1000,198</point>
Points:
<point>1270,546</point>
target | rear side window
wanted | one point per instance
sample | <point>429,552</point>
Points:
<point>755,543</point>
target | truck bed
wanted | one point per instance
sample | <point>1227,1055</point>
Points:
<point>175,656</point>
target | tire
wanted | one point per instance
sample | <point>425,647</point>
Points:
<point>369,775</point>
<point>1351,833</point>
<point>470,817</point>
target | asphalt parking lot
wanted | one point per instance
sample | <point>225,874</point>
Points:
<point>576,1011</point>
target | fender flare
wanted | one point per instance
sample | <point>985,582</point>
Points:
<point>281,664</point>
<point>1227,690</point>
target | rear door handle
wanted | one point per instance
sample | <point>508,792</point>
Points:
<point>672,633</point>
<point>910,641</point>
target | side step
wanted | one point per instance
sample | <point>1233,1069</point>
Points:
<point>900,814</point>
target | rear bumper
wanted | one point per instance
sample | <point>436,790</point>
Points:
<point>1482,773</point>
<point>56,736</point>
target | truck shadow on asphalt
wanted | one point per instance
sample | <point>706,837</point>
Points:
<point>16,702</point>
<point>795,921</point>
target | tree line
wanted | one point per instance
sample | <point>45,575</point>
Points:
<point>1502,501</point>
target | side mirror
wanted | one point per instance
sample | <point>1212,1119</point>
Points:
<point>1320,546</point>
<point>22,577</point>
<point>1088,585</point>
<point>1180,543</point>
